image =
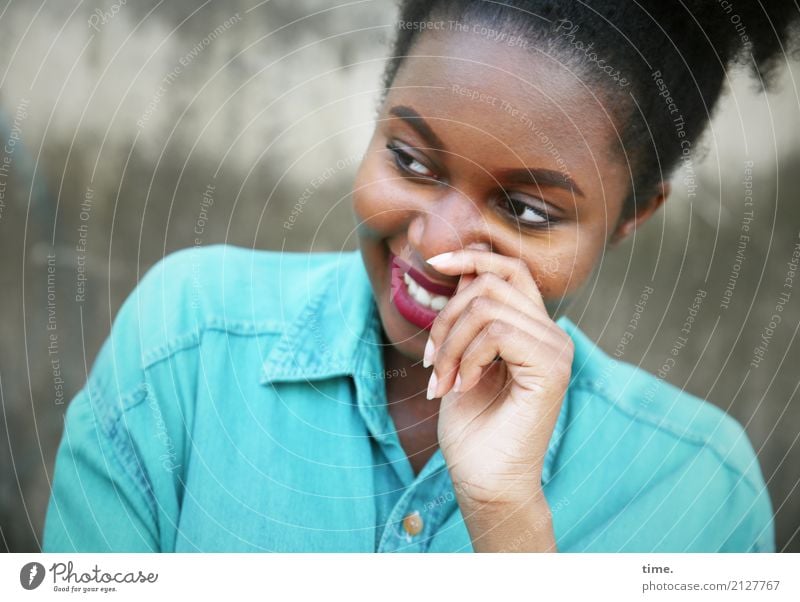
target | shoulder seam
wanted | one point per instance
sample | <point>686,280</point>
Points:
<point>191,339</point>
<point>108,427</point>
<point>186,342</point>
<point>193,336</point>
<point>591,386</point>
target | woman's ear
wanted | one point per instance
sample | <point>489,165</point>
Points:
<point>631,220</point>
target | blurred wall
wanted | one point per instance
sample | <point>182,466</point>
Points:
<point>138,128</point>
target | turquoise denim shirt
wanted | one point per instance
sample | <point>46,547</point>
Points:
<point>239,404</point>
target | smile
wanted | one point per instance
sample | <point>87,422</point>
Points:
<point>416,298</point>
<point>422,295</point>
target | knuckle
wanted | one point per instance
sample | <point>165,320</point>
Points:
<point>490,281</point>
<point>444,354</point>
<point>478,305</point>
<point>480,283</point>
<point>445,316</point>
<point>442,357</point>
<point>500,329</point>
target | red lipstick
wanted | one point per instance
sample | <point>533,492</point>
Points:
<point>434,287</point>
<point>409,308</point>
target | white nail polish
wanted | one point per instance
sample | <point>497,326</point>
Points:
<point>427,358</point>
<point>440,259</point>
<point>432,386</point>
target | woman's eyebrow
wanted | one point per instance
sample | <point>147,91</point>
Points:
<point>417,122</point>
<point>524,175</point>
<point>540,177</point>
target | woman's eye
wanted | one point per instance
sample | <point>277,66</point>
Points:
<point>528,214</point>
<point>408,163</point>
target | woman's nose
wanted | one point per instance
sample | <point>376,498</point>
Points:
<point>449,224</point>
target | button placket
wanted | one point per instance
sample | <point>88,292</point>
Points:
<point>414,519</point>
<point>413,524</point>
<point>406,530</point>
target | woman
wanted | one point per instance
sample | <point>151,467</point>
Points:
<point>425,393</point>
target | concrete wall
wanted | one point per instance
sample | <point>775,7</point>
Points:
<point>123,118</point>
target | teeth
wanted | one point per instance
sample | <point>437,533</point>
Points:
<point>438,302</point>
<point>423,296</point>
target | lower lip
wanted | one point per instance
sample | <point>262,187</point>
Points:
<point>417,314</point>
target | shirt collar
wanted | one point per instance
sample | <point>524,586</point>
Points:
<point>337,332</point>
<point>328,332</point>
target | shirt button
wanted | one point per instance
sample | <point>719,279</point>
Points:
<point>412,523</point>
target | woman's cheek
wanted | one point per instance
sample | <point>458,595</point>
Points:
<point>379,206</point>
<point>376,212</point>
<point>367,208</point>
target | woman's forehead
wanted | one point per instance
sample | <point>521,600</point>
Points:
<point>507,71</point>
<point>485,89</point>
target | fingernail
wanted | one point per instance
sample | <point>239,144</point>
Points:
<point>432,385</point>
<point>440,259</point>
<point>457,385</point>
<point>427,359</point>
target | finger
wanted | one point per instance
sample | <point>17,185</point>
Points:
<point>521,349</point>
<point>512,269</point>
<point>464,282</point>
<point>488,284</point>
<point>480,312</point>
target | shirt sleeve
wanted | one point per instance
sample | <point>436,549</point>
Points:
<point>96,504</point>
<point>737,507</point>
<point>119,468</point>
<point>742,502</point>
<point>754,529</point>
<point>762,525</point>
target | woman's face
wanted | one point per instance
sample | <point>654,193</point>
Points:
<point>494,149</point>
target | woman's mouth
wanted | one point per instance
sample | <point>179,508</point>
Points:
<point>417,298</point>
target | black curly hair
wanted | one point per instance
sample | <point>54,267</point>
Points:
<point>670,59</point>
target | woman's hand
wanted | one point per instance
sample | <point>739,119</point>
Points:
<point>496,418</point>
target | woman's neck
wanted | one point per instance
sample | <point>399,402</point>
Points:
<point>406,378</point>
<point>415,417</point>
